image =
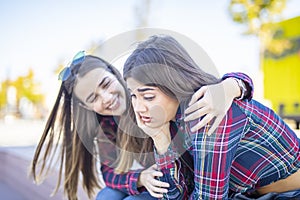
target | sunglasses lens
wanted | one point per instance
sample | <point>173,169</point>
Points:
<point>79,57</point>
<point>64,74</point>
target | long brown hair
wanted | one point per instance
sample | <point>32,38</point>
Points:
<point>69,135</point>
<point>134,144</point>
<point>162,62</point>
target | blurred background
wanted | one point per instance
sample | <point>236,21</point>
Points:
<point>38,38</point>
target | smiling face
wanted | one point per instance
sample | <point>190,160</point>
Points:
<point>151,105</point>
<point>100,91</point>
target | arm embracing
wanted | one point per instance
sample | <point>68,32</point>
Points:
<point>126,182</point>
<point>213,101</point>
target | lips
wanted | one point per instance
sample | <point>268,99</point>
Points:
<point>145,119</point>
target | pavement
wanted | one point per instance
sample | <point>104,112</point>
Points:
<point>9,193</point>
<point>17,138</point>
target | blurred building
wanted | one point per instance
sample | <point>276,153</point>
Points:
<point>281,68</point>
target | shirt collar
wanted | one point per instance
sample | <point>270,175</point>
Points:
<point>179,117</point>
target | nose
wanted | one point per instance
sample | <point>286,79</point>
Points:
<point>106,97</point>
<point>139,106</point>
<point>103,100</point>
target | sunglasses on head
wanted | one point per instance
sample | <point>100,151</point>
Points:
<point>67,71</point>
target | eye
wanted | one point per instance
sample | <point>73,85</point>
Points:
<point>106,84</point>
<point>149,97</point>
<point>93,99</point>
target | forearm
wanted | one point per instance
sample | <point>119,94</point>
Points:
<point>126,182</point>
<point>232,88</point>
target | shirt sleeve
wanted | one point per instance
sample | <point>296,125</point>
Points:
<point>126,182</point>
<point>169,164</point>
<point>246,79</point>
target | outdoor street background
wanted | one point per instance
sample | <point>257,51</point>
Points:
<point>43,35</point>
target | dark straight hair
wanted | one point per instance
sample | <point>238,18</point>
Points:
<point>162,62</point>
<point>70,131</point>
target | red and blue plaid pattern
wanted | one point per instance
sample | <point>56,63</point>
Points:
<point>251,148</point>
<point>127,182</point>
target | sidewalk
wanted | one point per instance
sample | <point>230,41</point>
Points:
<point>14,179</point>
<point>18,140</point>
<point>8,193</point>
<point>15,184</point>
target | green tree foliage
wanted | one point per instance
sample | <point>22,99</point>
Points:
<point>259,17</point>
<point>256,14</point>
<point>25,86</point>
<point>3,90</point>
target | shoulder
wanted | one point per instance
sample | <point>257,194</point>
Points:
<point>254,109</point>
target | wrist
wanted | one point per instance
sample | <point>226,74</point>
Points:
<point>231,88</point>
<point>139,181</point>
<point>242,89</point>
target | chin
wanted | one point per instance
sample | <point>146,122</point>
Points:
<point>154,125</point>
<point>116,113</point>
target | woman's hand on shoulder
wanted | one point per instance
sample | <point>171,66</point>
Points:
<point>211,102</point>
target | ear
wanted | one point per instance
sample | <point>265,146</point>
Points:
<point>85,106</point>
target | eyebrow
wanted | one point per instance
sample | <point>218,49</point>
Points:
<point>99,85</point>
<point>144,89</point>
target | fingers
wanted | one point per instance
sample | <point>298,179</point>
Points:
<point>153,171</point>
<point>202,123</point>
<point>156,174</point>
<point>195,106</point>
<point>160,184</point>
<point>155,187</point>
<point>215,125</point>
<point>157,191</point>
<point>197,95</point>
<point>197,114</point>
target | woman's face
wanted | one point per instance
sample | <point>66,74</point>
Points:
<point>152,107</point>
<point>100,91</point>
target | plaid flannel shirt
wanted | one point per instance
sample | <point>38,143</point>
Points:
<point>127,182</point>
<point>251,148</point>
<point>177,166</point>
<point>177,159</point>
